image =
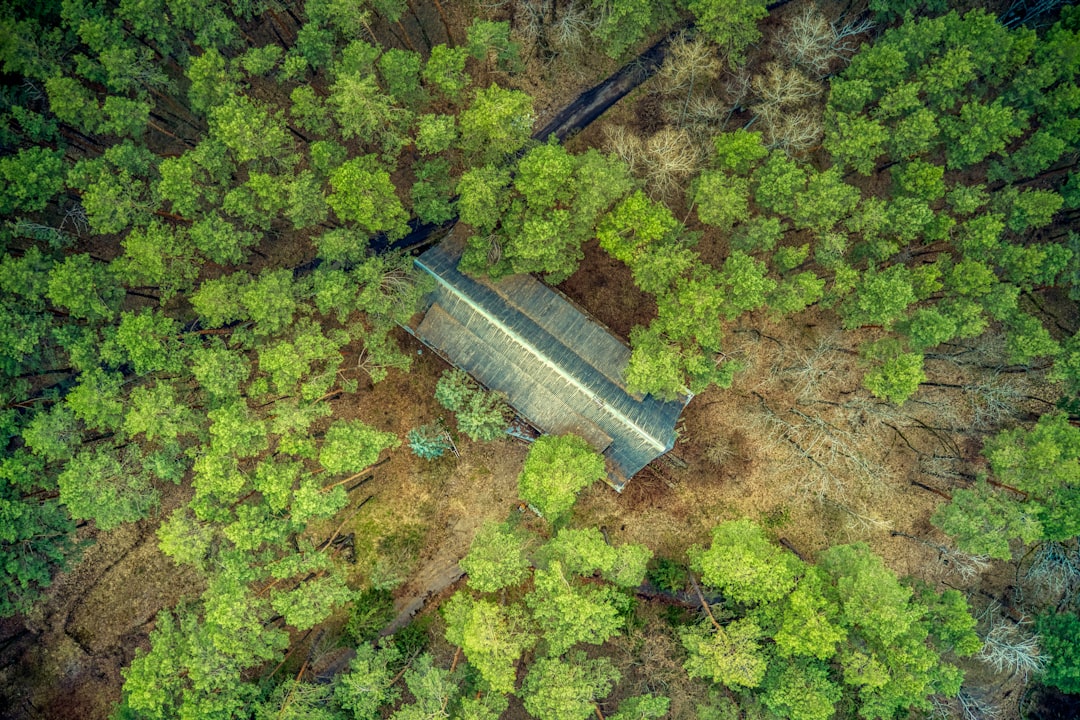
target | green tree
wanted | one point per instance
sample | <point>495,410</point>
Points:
<point>894,375</point>
<point>845,632</point>
<point>746,284</point>
<point>197,659</point>
<point>311,602</point>
<point>856,141</point>
<point>235,430</point>
<point>107,487</point>
<point>251,132</point>
<point>493,637</point>
<point>1059,637</point>
<point>557,468</point>
<point>809,624</point>
<point>643,707</point>
<point>269,300</point>
<point>432,689</point>
<point>730,656</point>
<point>569,614</point>
<point>567,689</point>
<point>722,199</point>
<point>978,131</point>
<point>30,179</point>
<point>1039,462</point>
<point>889,660</point>
<point>483,196</point>
<point>435,133</point>
<point>52,434</point>
<point>880,298</point>
<point>801,691</point>
<point>158,256</point>
<point>363,111</point>
<point>217,301</point>
<point>96,399</point>
<point>496,558</point>
<point>744,565</point>
<point>363,194</point>
<point>445,70</point>
<point>429,442</point>
<point>309,110</point>
<point>496,124</point>
<point>480,414</point>
<point>367,685</point>
<point>221,241</point>
<point>826,202</point>
<point>212,83</point>
<point>731,24</point>
<point>86,288</point>
<point>400,70</point>
<point>623,23</point>
<point>159,414</point>
<point>351,445</point>
<point>553,208</point>
<point>488,40</point>
<point>633,226</point>
<point>36,536</point>
<point>149,341</point>
<point>219,371</point>
<point>432,195</point>
<point>289,362</point>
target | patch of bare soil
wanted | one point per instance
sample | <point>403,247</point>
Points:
<point>442,501</point>
<point>605,289</point>
<point>64,659</point>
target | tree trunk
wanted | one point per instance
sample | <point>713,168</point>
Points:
<point>445,22</point>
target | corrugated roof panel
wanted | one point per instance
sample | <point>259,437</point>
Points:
<point>560,369</point>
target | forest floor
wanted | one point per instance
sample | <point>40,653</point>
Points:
<point>795,444</point>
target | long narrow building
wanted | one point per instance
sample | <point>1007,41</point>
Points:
<point>560,370</point>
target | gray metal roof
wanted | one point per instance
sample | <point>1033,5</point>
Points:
<point>559,369</point>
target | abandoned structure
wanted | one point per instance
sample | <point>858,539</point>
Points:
<point>560,370</point>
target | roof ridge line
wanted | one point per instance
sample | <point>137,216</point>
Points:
<point>517,338</point>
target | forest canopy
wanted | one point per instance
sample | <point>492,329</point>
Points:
<point>849,231</point>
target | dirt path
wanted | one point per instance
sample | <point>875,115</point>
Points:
<point>435,575</point>
<point>64,659</point>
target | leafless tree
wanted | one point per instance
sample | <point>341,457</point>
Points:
<point>797,130</point>
<point>993,400</point>
<point>572,26</point>
<point>719,450</point>
<point>1007,646</point>
<point>690,62</point>
<point>967,566</point>
<point>626,144</point>
<point>706,114</point>
<point>665,159</point>
<point>671,157</point>
<point>813,43</point>
<point>689,66</point>
<point>967,705</point>
<point>1056,567</point>
<point>779,87</point>
<point>974,708</point>
<point>827,460</point>
<point>786,102</point>
<point>75,217</point>
<point>810,371</point>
